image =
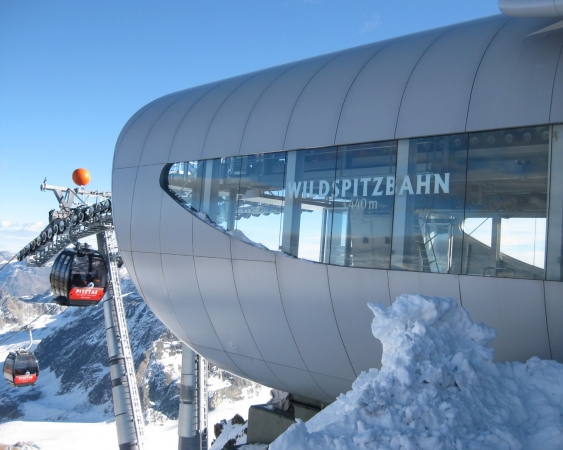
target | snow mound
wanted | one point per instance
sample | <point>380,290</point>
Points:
<point>438,388</point>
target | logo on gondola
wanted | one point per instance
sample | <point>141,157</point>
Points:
<point>27,378</point>
<point>88,293</point>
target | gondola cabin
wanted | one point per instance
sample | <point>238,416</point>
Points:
<point>79,278</point>
<point>21,368</point>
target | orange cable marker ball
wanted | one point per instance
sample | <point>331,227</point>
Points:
<point>81,177</point>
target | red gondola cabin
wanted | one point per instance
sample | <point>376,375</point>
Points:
<point>21,368</point>
<point>79,278</point>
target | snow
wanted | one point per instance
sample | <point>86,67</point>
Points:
<point>230,431</point>
<point>70,435</point>
<point>228,408</point>
<point>83,436</point>
<point>438,388</point>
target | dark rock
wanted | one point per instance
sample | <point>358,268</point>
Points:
<point>237,420</point>
<point>229,443</point>
<point>218,429</point>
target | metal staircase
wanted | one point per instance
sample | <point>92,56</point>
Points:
<point>119,311</point>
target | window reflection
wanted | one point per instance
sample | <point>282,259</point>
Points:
<point>507,189</point>
<point>362,216</point>
<point>183,181</point>
<point>220,184</point>
<point>260,201</point>
<point>309,192</point>
<point>429,203</point>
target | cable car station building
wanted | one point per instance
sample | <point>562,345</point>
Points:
<point>258,215</point>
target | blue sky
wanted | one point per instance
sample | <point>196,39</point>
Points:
<point>73,72</point>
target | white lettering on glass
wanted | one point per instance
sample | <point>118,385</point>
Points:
<point>346,186</point>
<point>376,190</point>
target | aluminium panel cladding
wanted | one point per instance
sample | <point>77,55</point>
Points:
<point>159,141</point>
<point>148,268</point>
<point>308,306</point>
<point>207,241</point>
<point>554,313</point>
<point>123,187</point>
<point>316,113</point>
<point>225,132</point>
<point>175,228</point>
<point>299,382</point>
<point>220,359</point>
<point>145,210</point>
<point>128,152</point>
<point>423,283</point>
<point>218,291</point>
<point>257,369</point>
<point>351,289</point>
<point>130,122</point>
<point>515,309</point>
<point>556,114</point>
<point>260,300</point>
<point>178,151</point>
<point>514,83</point>
<point>190,137</point>
<point>128,261</point>
<point>267,124</point>
<point>331,385</point>
<point>241,250</point>
<point>436,98</point>
<point>532,8</point>
<point>372,105</point>
<point>182,287</point>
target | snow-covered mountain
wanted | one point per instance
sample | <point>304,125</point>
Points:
<point>69,343</point>
<point>22,281</point>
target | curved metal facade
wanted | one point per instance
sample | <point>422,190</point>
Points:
<point>296,325</point>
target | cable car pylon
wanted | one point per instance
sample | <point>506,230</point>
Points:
<point>85,213</point>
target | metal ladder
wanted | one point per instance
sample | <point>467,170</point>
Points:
<point>201,369</point>
<point>115,292</point>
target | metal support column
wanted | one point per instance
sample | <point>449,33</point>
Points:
<point>202,395</point>
<point>188,437</point>
<point>126,403</point>
<point>192,418</point>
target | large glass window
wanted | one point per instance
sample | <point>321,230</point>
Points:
<point>505,225</point>
<point>183,181</point>
<point>260,201</point>
<point>309,192</point>
<point>220,184</point>
<point>429,201</point>
<point>362,216</point>
<point>470,203</point>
